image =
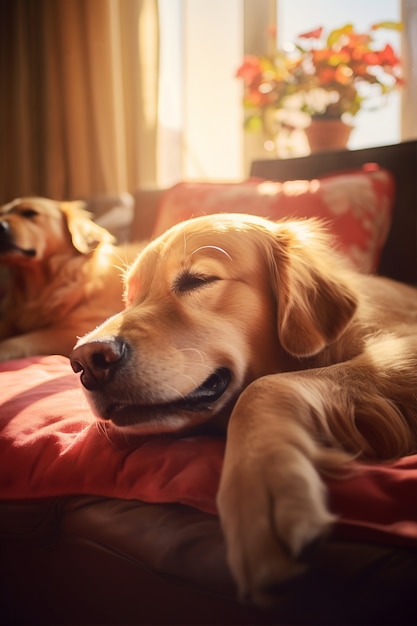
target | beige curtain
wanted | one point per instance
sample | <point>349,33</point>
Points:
<point>78,106</point>
<point>409,55</point>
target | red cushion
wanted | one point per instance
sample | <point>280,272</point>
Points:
<point>51,446</point>
<point>356,204</point>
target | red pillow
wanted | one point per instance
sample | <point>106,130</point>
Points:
<point>51,446</point>
<point>356,204</point>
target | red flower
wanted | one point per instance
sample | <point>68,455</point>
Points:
<point>312,34</point>
<point>326,75</point>
<point>372,58</point>
<point>250,69</point>
<point>339,65</point>
<point>387,56</point>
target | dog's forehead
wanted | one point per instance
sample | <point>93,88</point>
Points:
<point>207,235</point>
<point>10,206</point>
<point>190,246</point>
<point>201,245</point>
<point>218,238</point>
<point>166,256</point>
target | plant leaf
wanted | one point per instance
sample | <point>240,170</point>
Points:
<point>390,25</point>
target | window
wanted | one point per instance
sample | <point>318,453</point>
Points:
<point>203,43</point>
<point>371,127</point>
<point>200,101</point>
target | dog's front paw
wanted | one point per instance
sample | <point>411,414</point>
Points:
<point>272,507</point>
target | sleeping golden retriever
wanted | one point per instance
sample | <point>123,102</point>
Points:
<point>65,276</point>
<point>237,322</point>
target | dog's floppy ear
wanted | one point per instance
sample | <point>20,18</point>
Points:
<point>85,234</point>
<point>314,300</point>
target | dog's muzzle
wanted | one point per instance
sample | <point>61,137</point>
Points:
<point>99,361</point>
<point>7,243</point>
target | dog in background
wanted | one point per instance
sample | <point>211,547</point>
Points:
<point>260,330</point>
<point>64,276</point>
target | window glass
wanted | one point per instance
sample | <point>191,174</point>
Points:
<point>371,127</point>
<point>200,103</point>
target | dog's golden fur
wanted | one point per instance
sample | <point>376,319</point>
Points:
<point>65,276</point>
<point>314,363</point>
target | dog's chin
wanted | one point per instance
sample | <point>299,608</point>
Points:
<point>204,405</point>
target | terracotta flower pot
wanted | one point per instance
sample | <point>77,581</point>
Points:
<point>328,134</point>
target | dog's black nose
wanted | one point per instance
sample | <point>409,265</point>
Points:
<point>98,361</point>
<point>5,233</point>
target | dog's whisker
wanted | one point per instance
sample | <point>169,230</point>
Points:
<point>107,429</point>
<point>185,377</point>
<point>103,430</point>
<point>185,243</point>
<point>217,248</point>
<point>177,393</point>
<point>124,258</point>
<point>197,351</point>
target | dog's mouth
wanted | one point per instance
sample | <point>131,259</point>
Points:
<point>201,399</point>
<point>210,391</point>
<point>8,247</point>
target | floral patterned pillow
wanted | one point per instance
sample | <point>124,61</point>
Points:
<point>356,205</point>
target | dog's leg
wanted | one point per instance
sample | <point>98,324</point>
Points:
<point>284,430</point>
<point>272,502</point>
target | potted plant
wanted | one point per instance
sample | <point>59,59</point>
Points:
<point>319,79</point>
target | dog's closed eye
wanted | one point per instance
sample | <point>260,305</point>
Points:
<point>190,281</point>
<point>28,213</point>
